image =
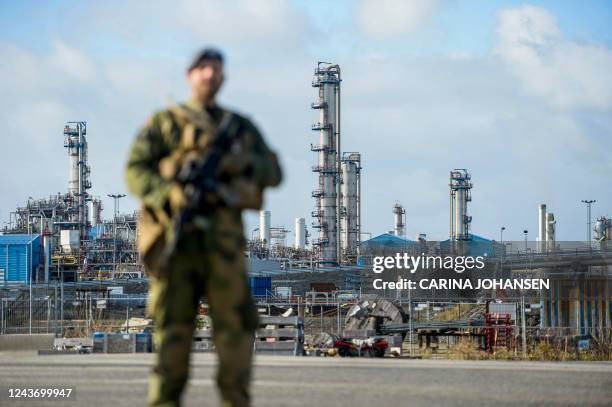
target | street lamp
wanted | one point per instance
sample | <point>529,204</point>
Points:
<point>116,197</point>
<point>588,202</point>
<point>501,254</point>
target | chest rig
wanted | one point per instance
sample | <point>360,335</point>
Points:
<point>198,133</point>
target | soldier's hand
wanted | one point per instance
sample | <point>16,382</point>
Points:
<point>176,198</point>
<point>169,166</point>
<point>236,163</point>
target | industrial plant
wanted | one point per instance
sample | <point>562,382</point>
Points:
<point>67,270</point>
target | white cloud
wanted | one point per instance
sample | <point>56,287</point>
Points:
<point>267,23</point>
<point>385,18</point>
<point>412,118</point>
<point>71,61</point>
<point>567,73</point>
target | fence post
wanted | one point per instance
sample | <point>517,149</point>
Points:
<point>338,315</point>
<point>55,309</point>
<point>48,313</point>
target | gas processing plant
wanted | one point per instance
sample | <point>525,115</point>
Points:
<point>65,269</point>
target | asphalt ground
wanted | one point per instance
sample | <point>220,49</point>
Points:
<point>121,380</point>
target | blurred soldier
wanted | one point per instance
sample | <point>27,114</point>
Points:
<point>207,256</point>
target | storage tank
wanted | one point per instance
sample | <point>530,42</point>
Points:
<point>70,240</point>
<point>264,227</point>
<point>300,233</point>
<point>350,224</point>
<point>542,227</point>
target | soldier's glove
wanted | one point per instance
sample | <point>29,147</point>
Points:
<point>236,164</point>
<point>169,166</point>
<point>177,199</point>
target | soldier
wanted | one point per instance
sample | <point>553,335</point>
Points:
<point>208,259</point>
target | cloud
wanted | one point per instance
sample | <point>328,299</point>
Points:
<point>71,61</point>
<point>568,74</point>
<point>385,18</point>
<point>274,23</point>
<point>517,117</point>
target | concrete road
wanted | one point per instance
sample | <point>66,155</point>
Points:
<point>121,380</point>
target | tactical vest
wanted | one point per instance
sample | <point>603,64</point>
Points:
<point>196,135</point>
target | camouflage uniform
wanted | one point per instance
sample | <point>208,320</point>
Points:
<point>209,259</point>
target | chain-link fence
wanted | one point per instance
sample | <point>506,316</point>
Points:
<point>68,312</point>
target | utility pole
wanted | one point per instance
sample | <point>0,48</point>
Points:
<point>524,327</point>
<point>588,202</point>
<point>410,318</point>
<point>501,256</point>
<point>29,263</point>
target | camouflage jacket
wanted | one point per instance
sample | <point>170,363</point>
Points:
<point>162,139</point>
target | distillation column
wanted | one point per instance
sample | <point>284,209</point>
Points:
<point>551,225</point>
<point>398,219</point>
<point>460,195</point>
<point>96,211</point>
<point>78,182</point>
<point>350,189</point>
<point>327,80</point>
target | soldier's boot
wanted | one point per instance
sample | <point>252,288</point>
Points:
<point>171,369</point>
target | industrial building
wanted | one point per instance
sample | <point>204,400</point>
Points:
<point>19,257</point>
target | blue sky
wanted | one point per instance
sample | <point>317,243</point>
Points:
<point>462,26</point>
<point>520,93</point>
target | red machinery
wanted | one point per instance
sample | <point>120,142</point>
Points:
<point>498,331</point>
<point>374,347</point>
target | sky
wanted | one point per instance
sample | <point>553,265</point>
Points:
<point>518,93</point>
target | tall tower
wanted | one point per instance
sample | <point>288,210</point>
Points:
<point>551,227</point>
<point>542,227</point>
<point>79,171</point>
<point>398,219</point>
<point>265,219</point>
<point>350,209</point>
<point>460,195</point>
<point>300,233</point>
<point>327,213</point>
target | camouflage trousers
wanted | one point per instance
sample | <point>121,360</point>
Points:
<point>217,271</point>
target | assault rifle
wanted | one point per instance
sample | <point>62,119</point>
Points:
<point>200,178</point>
